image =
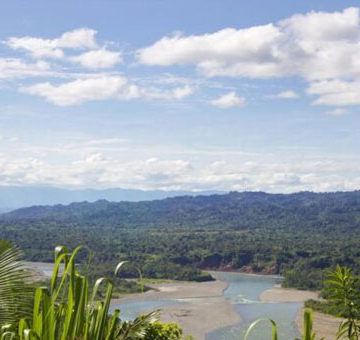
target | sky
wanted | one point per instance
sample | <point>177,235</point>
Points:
<point>180,95</point>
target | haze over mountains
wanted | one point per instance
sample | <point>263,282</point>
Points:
<point>14,197</point>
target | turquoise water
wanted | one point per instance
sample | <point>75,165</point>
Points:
<point>243,292</point>
<point>130,310</point>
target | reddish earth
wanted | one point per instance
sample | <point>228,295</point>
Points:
<point>246,269</point>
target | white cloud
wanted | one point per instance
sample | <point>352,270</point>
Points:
<point>98,59</point>
<point>38,47</point>
<point>288,94</point>
<point>228,100</point>
<point>82,38</point>
<point>82,90</point>
<point>335,92</point>
<point>218,53</point>
<point>13,67</point>
<point>315,45</point>
<point>107,163</point>
<point>182,92</point>
<point>337,112</point>
<point>100,169</point>
<point>102,87</point>
<point>176,93</point>
<point>78,38</point>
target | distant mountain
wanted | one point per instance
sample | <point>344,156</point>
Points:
<point>234,210</point>
<point>12,197</point>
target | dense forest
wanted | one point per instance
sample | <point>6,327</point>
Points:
<point>296,235</point>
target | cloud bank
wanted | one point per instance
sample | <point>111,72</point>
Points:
<point>321,48</point>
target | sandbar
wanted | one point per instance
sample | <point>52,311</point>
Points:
<point>279,294</point>
<point>325,326</point>
<point>201,307</point>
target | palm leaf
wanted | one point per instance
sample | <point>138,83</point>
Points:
<point>15,293</point>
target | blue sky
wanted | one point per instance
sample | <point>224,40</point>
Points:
<point>192,95</point>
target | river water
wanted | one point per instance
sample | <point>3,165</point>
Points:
<point>243,291</point>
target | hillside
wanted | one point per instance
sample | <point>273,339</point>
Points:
<point>297,235</point>
<point>234,210</point>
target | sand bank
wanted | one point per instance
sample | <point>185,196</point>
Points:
<point>325,326</point>
<point>201,307</point>
<point>279,294</point>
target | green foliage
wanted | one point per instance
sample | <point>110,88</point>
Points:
<point>308,333</point>
<point>320,306</point>
<point>296,235</point>
<point>4,245</point>
<point>67,311</point>
<point>342,289</point>
<point>163,331</point>
<point>303,278</point>
<point>256,322</point>
<point>121,286</point>
<point>15,294</point>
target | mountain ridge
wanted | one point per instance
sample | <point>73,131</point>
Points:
<point>15,197</point>
<point>231,210</point>
<point>296,235</point>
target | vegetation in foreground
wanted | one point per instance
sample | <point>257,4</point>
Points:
<point>67,310</point>
<point>342,299</point>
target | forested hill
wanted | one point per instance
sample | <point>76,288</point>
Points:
<point>297,235</point>
<point>235,210</point>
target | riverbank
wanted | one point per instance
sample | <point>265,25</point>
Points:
<point>325,326</point>
<point>279,294</point>
<point>200,308</point>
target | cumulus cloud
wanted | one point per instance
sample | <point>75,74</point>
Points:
<point>316,45</point>
<point>13,67</point>
<point>82,38</point>
<point>100,169</point>
<point>336,92</point>
<point>97,163</point>
<point>102,87</point>
<point>82,90</point>
<point>228,101</point>
<point>218,53</point>
<point>98,59</point>
<point>320,47</point>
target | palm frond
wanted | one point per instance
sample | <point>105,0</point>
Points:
<point>15,293</point>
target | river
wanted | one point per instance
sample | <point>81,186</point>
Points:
<point>242,291</point>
